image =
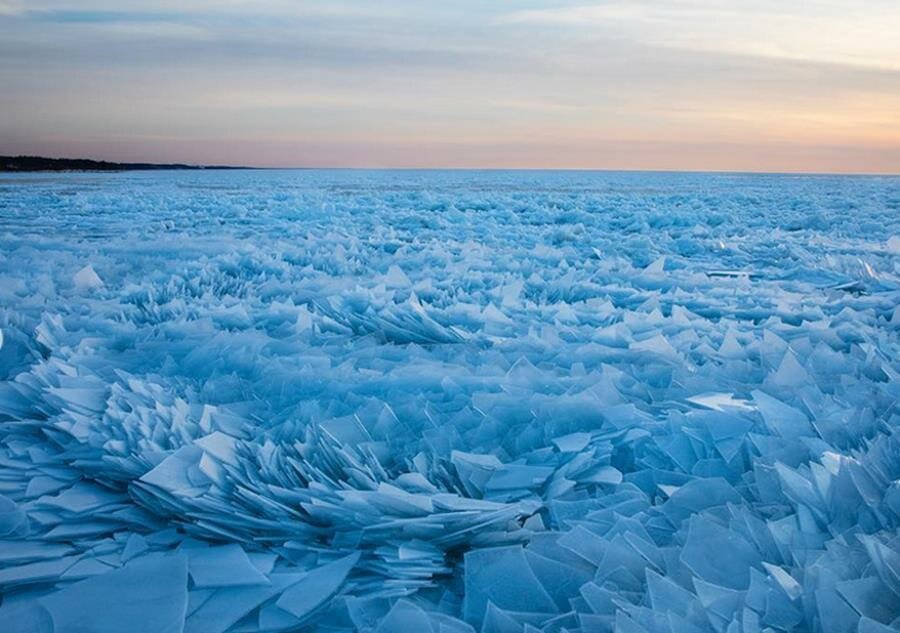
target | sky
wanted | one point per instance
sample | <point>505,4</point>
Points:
<point>755,85</point>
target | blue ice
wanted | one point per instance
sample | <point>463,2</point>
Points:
<point>236,402</point>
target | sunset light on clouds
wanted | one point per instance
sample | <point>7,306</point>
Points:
<point>759,86</point>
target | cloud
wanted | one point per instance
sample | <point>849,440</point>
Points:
<point>378,76</point>
<point>338,35</point>
<point>138,10</point>
<point>103,17</point>
<point>11,7</point>
<point>850,32</point>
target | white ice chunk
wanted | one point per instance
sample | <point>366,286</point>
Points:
<point>396,278</point>
<point>721,402</point>
<point>87,279</point>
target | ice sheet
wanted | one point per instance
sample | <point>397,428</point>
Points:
<point>449,402</point>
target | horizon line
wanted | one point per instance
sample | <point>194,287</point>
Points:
<point>201,166</point>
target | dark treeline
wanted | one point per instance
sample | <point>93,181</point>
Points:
<point>41,163</point>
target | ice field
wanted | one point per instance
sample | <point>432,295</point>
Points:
<point>448,402</point>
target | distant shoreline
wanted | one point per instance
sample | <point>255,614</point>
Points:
<point>37,164</point>
<point>42,163</point>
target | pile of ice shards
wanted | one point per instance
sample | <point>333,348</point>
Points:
<point>449,402</point>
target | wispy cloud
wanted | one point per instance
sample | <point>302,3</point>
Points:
<point>863,32</point>
<point>137,10</point>
<point>104,17</point>
<point>11,7</point>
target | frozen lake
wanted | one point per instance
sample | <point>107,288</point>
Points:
<point>449,401</point>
